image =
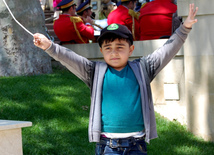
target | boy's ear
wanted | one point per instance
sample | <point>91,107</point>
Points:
<point>101,50</point>
<point>131,49</point>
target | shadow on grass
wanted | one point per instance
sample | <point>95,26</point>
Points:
<point>58,107</point>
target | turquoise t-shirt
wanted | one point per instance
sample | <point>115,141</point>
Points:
<point>121,102</point>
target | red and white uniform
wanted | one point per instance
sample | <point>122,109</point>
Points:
<point>122,16</point>
<point>156,19</point>
<point>72,29</point>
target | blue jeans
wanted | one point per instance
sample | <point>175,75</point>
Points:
<point>125,146</point>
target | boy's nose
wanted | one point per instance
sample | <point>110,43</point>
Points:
<point>114,52</point>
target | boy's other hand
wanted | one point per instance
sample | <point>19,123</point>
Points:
<point>41,41</point>
<point>191,16</point>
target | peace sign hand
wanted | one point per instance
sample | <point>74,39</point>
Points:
<point>191,16</point>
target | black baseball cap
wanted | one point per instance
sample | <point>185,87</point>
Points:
<point>117,29</point>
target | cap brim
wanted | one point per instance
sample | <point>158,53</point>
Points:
<point>112,32</point>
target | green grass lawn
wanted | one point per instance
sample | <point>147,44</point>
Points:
<point>58,106</point>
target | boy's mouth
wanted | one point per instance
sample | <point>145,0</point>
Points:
<point>114,58</point>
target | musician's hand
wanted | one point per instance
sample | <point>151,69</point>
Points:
<point>88,20</point>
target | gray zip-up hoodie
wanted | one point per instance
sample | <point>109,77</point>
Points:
<point>145,69</point>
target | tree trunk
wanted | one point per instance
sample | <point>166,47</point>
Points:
<point>18,54</point>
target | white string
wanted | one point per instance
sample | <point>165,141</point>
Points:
<point>16,20</point>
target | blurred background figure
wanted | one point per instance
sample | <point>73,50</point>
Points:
<point>55,3</point>
<point>56,10</point>
<point>156,19</point>
<point>106,7</point>
<point>140,4</point>
<point>43,3</point>
<point>70,28</point>
<point>125,15</point>
<point>84,11</point>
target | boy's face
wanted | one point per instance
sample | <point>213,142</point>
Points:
<point>116,53</point>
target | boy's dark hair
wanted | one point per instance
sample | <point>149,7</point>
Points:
<point>111,37</point>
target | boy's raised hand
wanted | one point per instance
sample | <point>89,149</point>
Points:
<point>191,16</point>
<point>41,41</point>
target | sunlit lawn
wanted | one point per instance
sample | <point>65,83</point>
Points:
<point>58,106</point>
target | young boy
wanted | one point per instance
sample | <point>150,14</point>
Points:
<point>121,115</point>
